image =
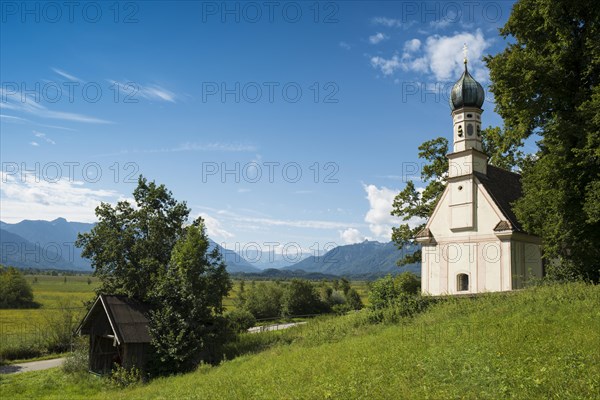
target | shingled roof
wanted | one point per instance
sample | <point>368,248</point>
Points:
<point>505,188</point>
<point>127,317</point>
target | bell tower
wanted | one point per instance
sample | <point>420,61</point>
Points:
<point>467,157</point>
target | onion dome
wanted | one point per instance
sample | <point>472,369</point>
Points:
<point>466,92</point>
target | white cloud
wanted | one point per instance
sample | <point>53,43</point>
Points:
<point>148,92</point>
<point>445,55</point>
<point>66,75</point>
<point>389,22</point>
<point>43,137</point>
<point>35,144</point>
<point>270,222</point>
<point>23,103</point>
<point>214,228</point>
<point>345,45</point>
<point>440,56</point>
<point>387,66</point>
<point>378,217</point>
<point>215,146</point>
<point>377,38</point>
<point>351,236</point>
<point>23,197</point>
<point>449,18</point>
<point>410,46</point>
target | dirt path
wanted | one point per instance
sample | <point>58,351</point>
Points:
<point>276,327</point>
<point>31,366</point>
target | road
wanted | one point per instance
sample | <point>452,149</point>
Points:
<point>31,366</point>
<point>276,327</point>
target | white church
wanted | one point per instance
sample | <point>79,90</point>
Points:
<point>473,242</point>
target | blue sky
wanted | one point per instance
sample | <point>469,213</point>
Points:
<point>289,122</point>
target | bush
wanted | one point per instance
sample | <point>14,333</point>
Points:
<point>353,300</point>
<point>386,290</point>
<point>341,309</point>
<point>123,377</point>
<point>403,306</point>
<point>15,291</point>
<point>78,360</point>
<point>263,301</point>
<point>301,298</point>
<point>240,320</point>
<point>60,326</point>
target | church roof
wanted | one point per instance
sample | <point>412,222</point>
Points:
<point>466,92</point>
<point>505,188</point>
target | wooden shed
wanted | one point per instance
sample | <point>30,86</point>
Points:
<point>118,331</point>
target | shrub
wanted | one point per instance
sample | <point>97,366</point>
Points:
<point>353,300</point>
<point>301,298</point>
<point>384,291</point>
<point>240,320</point>
<point>263,301</point>
<point>78,360</point>
<point>15,291</point>
<point>123,377</point>
<point>403,306</point>
<point>60,326</point>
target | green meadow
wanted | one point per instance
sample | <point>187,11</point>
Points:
<point>29,333</point>
<point>538,343</point>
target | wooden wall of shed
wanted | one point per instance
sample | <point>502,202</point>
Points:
<point>136,355</point>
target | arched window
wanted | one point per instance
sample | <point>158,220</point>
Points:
<point>462,282</point>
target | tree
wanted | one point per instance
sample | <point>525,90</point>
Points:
<point>345,285</point>
<point>263,300</point>
<point>301,298</point>
<point>546,83</point>
<point>190,301</point>
<point>354,300</point>
<point>15,291</point>
<point>130,247</point>
<point>415,205</point>
<point>147,253</point>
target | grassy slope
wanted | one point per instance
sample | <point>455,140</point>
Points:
<point>539,343</point>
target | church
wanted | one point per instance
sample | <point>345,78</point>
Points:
<point>473,242</point>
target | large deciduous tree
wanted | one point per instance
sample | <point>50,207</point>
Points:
<point>148,253</point>
<point>546,82</point>
<point>187,325</point>
<point>130,246</point>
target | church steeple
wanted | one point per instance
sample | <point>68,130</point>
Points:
<point>467,157</point>
<point>466,99</point>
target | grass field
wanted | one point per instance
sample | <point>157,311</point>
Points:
<point>25,333</point>
<point>539,343</point>
<point>29,328</point>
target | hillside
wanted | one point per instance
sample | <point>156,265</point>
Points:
<point>235,263</point>
<point>19,252</point>
<point>58,236</point>
<point>538,343</point>
<point>366,259</point>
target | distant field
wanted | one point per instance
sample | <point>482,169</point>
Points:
<point>29,328</point>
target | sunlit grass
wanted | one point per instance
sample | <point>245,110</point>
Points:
<point>539,343</point>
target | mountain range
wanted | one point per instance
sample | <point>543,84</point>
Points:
<point>369,258</point>
<point>51,245</point>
